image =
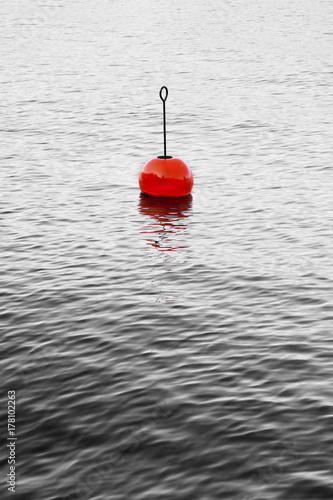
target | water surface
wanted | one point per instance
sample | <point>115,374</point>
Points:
<point>180,349</point>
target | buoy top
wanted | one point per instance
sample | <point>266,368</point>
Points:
<point>165,157</point>
<point>166,93</point>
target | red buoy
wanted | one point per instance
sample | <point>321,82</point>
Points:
<point>165,175</point>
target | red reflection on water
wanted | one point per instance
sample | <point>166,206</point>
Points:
<point>166,226</point>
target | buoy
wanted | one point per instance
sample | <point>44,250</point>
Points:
<point>165,175</point>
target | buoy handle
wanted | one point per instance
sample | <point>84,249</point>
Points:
<point>166,93</point>
<point>164,118</point>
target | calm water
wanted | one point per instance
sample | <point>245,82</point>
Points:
<point>168,350</point>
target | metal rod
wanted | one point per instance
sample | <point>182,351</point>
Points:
<point>164,117</point>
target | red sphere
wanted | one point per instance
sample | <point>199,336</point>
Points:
<point>166,177</point>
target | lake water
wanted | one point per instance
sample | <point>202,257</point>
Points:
<point>167,349</point>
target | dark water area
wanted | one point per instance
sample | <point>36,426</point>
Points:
<point>170,349</point>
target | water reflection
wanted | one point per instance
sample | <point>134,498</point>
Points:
<point>166,221</point>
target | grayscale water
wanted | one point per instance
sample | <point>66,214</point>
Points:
<point>167,350</point>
